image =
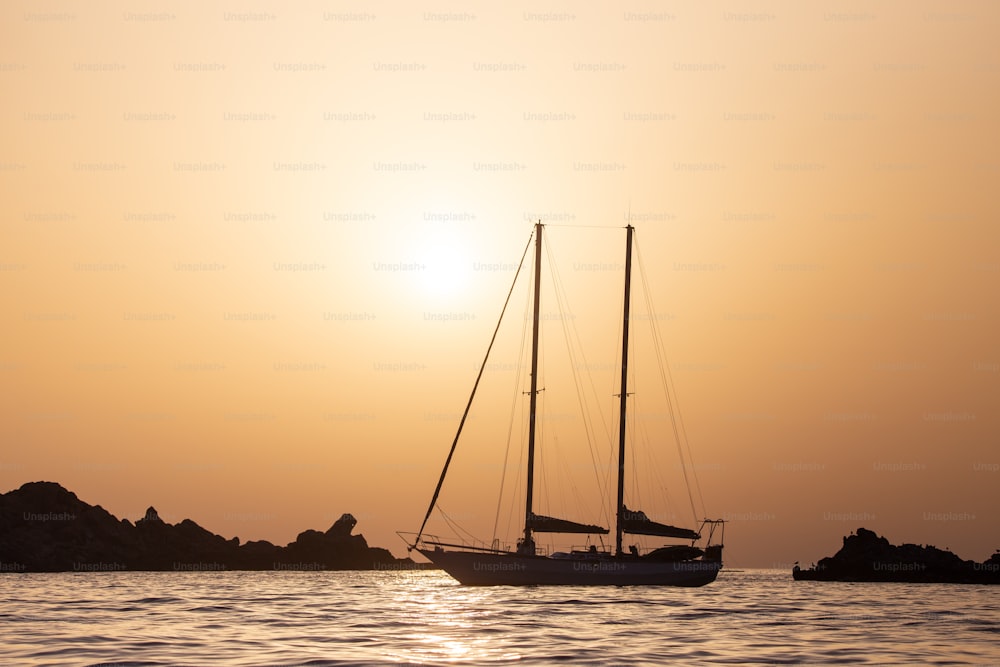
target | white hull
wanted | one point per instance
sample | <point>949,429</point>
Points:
<point>491,569</point>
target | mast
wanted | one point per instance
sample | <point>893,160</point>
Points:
<point>620,521</point>
<point>468,405</point>
<point>533,399</point>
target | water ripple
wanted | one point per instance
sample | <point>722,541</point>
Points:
<point>332,619</point>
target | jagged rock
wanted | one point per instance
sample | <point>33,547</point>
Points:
<point>45,528</point>
<point>866,556</point>
<point>319,551</point>
<point>343,526</point>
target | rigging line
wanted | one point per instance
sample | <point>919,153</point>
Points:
<point>655,472</point>
<point>673,407</point>
<point>672,387</point>
<point>612,464</point>
<point>612,395</point>
<point>542,467</point>
<point>667,381</point>
<point>519,418</point>
<point>588,420</point>
<point>468,406</point>
<point>457,528</point>
<point>554,224</point>
<point>694,470</point>
<point>560,310</point>
<point>687,445</point>
<point>517,491</point>
<point>633,449</point>
<point>635,437</point>
<point>592,432</point>
<point>513,416</point>
<point>571,335</point>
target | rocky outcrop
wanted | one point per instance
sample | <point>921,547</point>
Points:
<point>866,556</point>
<point>45,528</point>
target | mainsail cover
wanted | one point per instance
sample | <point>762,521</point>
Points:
<point>548,524</point>
<point>637,523</point>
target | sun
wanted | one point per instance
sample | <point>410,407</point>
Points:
<point>445,267</point>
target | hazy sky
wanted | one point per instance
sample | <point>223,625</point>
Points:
<point>251,254</point>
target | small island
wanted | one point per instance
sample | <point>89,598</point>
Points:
<point>866,556</point>
<point>46,528</point>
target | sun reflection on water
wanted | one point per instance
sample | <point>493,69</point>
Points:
<point>336,618</point>
<point>441,649</point>
<point>459,621</point>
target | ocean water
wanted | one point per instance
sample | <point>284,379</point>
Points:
<point>423,617</point>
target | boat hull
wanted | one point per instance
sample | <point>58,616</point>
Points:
<point>489,569</point>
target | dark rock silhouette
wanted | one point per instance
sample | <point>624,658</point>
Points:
<point>866,556</point>
<point>46,528</point>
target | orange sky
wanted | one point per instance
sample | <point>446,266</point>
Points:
<point>251,255</point>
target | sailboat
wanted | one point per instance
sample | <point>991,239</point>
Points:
<point>684,564</point>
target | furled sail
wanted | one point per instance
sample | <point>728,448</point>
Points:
<point>548,524</point>
<point>637,523</point>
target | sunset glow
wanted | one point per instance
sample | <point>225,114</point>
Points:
<point>251,258</point>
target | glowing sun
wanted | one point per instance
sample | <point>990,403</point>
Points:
<point>446,267</point>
